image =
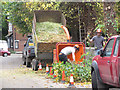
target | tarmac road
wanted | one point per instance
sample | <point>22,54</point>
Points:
<point>11,62</point>
<point>14,75</point>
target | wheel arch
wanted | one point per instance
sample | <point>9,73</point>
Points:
<point>94,67</point>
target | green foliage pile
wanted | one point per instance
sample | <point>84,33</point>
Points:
<point>81,72</point>
<point>50,32</point>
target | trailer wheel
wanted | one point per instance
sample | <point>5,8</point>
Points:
<point>28,64</point>
<point>33,61</point>
<point>23,60</point>
<point>35,65</point>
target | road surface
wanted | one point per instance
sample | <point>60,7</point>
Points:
<point>15,75</point>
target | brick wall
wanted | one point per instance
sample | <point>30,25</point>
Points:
<point>18,37</point>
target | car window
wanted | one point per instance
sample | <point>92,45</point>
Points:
<point>31,41</point>
<point>1,49</point>
<point>108,48</point>
<point>116,47</point>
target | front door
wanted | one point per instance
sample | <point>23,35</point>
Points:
<point>105,62</point>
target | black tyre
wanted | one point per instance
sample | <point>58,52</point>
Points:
<point>24,60</point>
<point>94,81</point>
<point>28,63</point>
<point>5,55</point>
<point>96,84</point>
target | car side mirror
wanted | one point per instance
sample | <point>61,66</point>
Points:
<point>101,53</point>
<point>24,44</point>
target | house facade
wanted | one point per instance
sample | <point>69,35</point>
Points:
<point>15,39</point>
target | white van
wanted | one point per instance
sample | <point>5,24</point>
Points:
<point>4,45</point>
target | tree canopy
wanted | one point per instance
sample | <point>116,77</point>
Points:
<point>83,16</point>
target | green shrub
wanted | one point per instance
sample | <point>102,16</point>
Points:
<point>12,52</point>
<point>81,72</point>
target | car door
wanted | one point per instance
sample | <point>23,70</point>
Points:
<point>105,61</point>
<point>115,63</point>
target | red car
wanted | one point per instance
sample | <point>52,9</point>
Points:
<point>105,68</point>
<point>4,53</point>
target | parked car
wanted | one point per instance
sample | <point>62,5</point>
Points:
<point>28,52</point>
<point>4,53</point>
<point>105,68</point>
<point>4,45</point>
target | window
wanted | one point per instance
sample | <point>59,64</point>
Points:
<point>10,27</point>
<point>108,48</point>
<point>9,43</point>
<point>16,44</point>
<point>116,47</point>
<point>12,42</point>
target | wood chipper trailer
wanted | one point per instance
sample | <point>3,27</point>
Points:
<point>61,45</point>
<point>47,53</point>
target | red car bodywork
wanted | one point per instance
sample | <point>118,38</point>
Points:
<point>2,52</point>
<point>109,64</point>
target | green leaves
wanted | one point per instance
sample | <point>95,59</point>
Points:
<point>21,13</point>
<point>19,16</point>
<point>81,72</point>
<point>91,14</point>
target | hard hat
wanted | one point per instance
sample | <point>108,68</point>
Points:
<point>77,46</point>
<point>99,30</point>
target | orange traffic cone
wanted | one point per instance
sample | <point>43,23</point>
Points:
<point>51,73</point>
<point>54,77</point>
<point>63,77</point>
<point>47,69</point>
<point>40,66</point>
<point>71,85</point>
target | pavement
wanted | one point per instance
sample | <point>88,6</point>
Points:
<point>15,75</point>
